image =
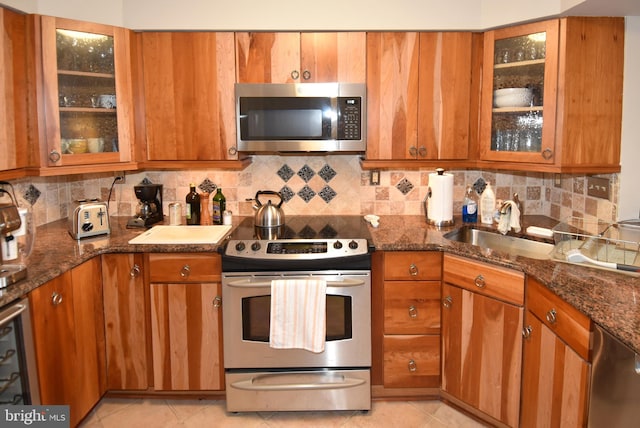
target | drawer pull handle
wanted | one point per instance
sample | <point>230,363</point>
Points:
<point>479,281</point>
<point>185,271</point>
<point>56,299</point>
<point>526,332</point>
<point>412,366</point>
<point>135,271</point>
<point>413,312</point>
<point>413,269</point>
<point>217,302</point>
<point>551,316</point>
<point>447,302</point>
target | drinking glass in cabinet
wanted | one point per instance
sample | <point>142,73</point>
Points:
<point>86,52</point>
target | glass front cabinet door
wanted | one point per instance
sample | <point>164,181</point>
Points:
<point>87,93</point>
<point>518,94</point>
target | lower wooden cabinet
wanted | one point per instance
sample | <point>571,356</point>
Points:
<point>68,331</point>
<point>186,322</point>
<point>556,377</point>
<point>125,317</point>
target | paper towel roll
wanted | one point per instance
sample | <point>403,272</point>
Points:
<point>440,202</point>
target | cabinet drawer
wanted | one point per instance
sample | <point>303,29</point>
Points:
<point>412,361</point>
<point>571,325</point>
<point>412,307</point>
<point>489,280</point>
<point>413,265</point>
<point>184,267</point>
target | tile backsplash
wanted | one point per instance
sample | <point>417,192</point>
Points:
<point>311,185</point>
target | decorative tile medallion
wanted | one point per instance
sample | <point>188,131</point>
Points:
<point>479,185</point>
<point>306,173</point>
<point>327,173</point>
<point>286,193</point>
<point>404,186</point>
<point>207,186</point>
<point>285,172</point>
<point>327,194</point>
<point>306,193</point>
<point>32,194</point>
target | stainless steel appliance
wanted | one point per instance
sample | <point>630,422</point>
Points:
<point>149,210</point>
<point>301,117</point>
<point>18,376</point>
<point>89,218</point>
<point>615,383</point>
<point>259,377</point>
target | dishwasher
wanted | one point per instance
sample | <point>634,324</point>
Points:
<point>615,383</point>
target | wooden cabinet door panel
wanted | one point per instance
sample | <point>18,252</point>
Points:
<point>481,352</point>
<point>267,57</point>
<point>555,383</point>
<point>411,307</point>
<point>333,57</point>
<point>412,361</point>
<point>185,327</point>
<point>125,321</point>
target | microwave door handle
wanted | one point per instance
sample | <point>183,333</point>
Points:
<point>334,120</point>
<point>245,283</point>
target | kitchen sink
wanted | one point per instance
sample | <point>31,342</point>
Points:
<point>495,241</point>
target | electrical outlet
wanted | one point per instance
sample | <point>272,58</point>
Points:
<point>119,177</point>
<point>598,187</point>
<point>374,178</point>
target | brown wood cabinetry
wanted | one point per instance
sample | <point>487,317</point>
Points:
<point>68,330</point>
<point>188,97</point>
<point>186,330</point>
<point>291,57</point>
<point>418,95</point>
<point>13,90</point>
<point>482,338</point>
<point>573,122</point>
<point>411,326</point>
<point>556,370</point>
<point>86,97</point>
<point>125,318</point>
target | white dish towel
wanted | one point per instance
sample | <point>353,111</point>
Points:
<point>298,314</point>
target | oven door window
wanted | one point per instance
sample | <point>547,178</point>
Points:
<point>285,118</point>
<point>256,316</point>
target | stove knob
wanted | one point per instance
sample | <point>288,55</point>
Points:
<point>255,246</point>
<point>353,245</point>
<point>337,245</point>
<point>240,246</point>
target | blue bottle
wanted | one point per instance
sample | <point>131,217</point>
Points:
<point>470,206</point>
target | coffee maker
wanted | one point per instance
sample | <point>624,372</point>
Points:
<point>149,209</point>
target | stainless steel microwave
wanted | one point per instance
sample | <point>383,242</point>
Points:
<point>301,117</point>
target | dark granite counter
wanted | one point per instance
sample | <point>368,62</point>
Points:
<point>611,299</point>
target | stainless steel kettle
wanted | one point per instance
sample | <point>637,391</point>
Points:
<point>268,215</point>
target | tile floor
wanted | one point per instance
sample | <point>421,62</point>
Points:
<point>124,413</point>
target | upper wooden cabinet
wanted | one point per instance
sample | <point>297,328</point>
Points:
<point>292,57</point>
<point>418,95</point>
<point>567,114</point>
<point>86,94</point>
<point>188,102</point>
<point>13,89</point>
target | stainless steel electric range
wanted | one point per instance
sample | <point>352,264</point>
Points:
<point>260,377</point>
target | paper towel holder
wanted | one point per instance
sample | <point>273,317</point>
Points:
<point>437,223</point>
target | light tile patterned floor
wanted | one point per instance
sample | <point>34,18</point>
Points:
<point>138,413</point>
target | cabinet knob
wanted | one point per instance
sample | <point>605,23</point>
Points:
<point>306,75</point>
<point>547,154</point>
<point>526,332</point>
<point>54,156</point>
<point>232,151</point>
<point>56,298</point>
<point>413,151</point>
<point>135,271</point>
<point>217,302</point>
<point>413,312</point>
<point>185,271</point>
<point>412,366</point>
<point>413,269</point>
<point>422,151</point>
<point>447,302</point>
<point>295,74</point>
<point>551,316</point>
<point>479,281</point>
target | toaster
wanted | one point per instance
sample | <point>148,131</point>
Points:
<point>89,218</point>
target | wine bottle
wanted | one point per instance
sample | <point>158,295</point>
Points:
<point>193,205</point>
<point>219,206</point>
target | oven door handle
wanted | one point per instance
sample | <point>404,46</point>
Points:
<point>249,385</point>
<point>11,313</point>
<point>244,283</point>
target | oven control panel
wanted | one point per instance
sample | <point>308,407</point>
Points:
<point>296,248</point>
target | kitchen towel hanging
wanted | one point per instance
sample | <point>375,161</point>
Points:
<point>439,202</point>
<point>298,314</point>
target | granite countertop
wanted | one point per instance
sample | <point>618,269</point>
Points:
<point>609,298</point>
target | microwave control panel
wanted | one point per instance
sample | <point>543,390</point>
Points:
<point>349,118</point>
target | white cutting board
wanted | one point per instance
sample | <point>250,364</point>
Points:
<point>182,235</point>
